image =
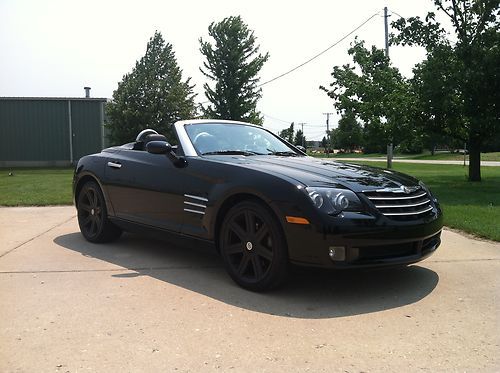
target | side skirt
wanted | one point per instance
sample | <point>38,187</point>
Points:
<point>175,238</point>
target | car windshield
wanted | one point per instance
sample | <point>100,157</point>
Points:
<point>227,138</point>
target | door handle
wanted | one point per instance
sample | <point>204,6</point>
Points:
<point>114,165</point>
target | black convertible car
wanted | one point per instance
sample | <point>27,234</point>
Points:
<point>260,201</point>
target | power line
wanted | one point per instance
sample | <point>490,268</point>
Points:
<point>312,58</point>
<point>278,119</point>
<point>320,53</point>
<point>315,137</point>
<point>290,121</point>
<point>317,132</point>
<point>396,13</point>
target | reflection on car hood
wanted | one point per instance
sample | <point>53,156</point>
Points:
<point>311,171</point>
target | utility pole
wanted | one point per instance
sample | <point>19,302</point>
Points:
<point>386,28</point>
<point>328,137</point>
<point>303,138</point>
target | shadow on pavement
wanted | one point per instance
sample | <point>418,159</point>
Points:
<point>309,293</point>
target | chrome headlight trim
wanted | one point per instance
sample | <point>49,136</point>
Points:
<point>426,188</point>
<point>334,200</point>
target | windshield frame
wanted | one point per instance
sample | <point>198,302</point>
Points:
<point>190,150</point>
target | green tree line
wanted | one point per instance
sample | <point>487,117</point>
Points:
<point>155,95</point>
<point>452,98</point>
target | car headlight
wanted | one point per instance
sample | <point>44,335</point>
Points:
<point>333,200</point>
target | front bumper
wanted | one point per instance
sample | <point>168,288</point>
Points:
<point>362,240</point>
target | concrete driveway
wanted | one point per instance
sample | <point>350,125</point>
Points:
<point>143,305</point>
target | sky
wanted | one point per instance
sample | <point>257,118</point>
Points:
<point>55,48</point>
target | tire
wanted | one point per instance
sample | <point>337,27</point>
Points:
<point>253,247</point>
<point>93,216</point>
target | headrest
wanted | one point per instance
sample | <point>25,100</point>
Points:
<point>154,137</point>
<point>142,135</point>
<point>144,138</point>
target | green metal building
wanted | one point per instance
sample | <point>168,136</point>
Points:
<point>40,131</point>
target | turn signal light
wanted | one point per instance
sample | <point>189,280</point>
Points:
<point>297,220</point>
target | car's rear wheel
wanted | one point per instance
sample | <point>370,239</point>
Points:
<point>253,247</point>
<point>92,215</point>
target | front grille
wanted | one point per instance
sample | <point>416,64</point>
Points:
<point>396,204</point>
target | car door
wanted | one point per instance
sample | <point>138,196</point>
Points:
<point>145,188</point>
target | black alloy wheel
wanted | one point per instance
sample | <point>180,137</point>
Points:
<point>92,215</point>
<point>253,247</point>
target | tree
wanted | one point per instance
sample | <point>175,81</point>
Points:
<point>324,142</point>
<point>152,95</point>
<point>374,92</point>
<point>374,136</point>
<point>288,133</point>
<point>348,135</point>
<point>436,109</point>
<point>300,139</point>
<point>458,85</point>
<point>233,63</point>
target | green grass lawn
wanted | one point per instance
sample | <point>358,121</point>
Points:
<point>440,156</point>
<point>36,187</point>
<point>494,156</point>
<point>347,155</point>
<point>471,207</point>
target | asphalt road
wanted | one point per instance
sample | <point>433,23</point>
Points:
<point>143,305</point>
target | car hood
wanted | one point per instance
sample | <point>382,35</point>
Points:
<point>311,171</point>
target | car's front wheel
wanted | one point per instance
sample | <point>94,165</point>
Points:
<point>253,247</point>
<point>92,215</point>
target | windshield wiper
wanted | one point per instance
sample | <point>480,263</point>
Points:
<point>287,153</point>
<point>232,152</point>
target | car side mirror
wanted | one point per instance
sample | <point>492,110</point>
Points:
<point>163,147</point>
<point>158,147</point>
